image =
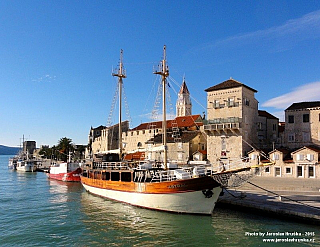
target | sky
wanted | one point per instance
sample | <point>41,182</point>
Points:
<point>57,57</point>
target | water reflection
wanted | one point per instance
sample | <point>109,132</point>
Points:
<point>62,189</point>
<point>115,222</point>
<point>109,222</point>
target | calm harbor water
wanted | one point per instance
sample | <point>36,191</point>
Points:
<point>36,211</point>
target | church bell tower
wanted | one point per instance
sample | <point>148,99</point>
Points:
<point>183,106</point>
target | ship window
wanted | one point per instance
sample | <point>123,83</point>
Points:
<point>115,176</point>
<point>97,175</point>
<point>105,176</point>
<point>126,176</point>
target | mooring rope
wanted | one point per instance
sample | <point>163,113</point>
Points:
<point>289,199</point>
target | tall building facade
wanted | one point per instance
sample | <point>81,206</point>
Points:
<point>232,116</point>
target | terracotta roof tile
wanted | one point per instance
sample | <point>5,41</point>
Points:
<point>186,136</point>
<point>184,121</point>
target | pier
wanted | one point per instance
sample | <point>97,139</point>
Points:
<point>297,199</point>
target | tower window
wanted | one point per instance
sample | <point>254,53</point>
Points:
<point>290,119</point>
<point>231,102</point>
<point>305,118</point>
<point>216,104</point>
<point>246,101</point>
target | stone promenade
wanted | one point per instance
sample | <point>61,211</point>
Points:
<point>283,197</point>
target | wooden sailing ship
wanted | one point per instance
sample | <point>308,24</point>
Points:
<point>158,186</point>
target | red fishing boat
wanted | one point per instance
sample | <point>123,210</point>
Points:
<point>67,171</point>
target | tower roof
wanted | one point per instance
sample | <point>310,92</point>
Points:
<point>184,88</point>
<point>231,83</point>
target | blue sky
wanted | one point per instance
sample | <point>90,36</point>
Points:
<point>57,58</point>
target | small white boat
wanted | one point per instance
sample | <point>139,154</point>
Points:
<point>12,163</point>
<point>26,165</point>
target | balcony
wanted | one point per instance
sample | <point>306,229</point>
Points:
<point>223,124</point>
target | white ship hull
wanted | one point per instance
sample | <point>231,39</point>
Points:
<point>193,202</point>
<point>26,166</point>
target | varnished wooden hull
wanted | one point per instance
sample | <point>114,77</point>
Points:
<point>194,196</point>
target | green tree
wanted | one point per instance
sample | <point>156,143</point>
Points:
<point>64,147</point>
<point>46,152</point>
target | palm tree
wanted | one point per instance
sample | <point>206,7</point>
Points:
<point>65,146</point>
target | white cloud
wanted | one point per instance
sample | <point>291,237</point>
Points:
<point>307,92</point>
<point>280,115</point>
<point>45,78</point>
<point>284,36</point>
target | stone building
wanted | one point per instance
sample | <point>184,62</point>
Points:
<point>297,163</point>
<point>232,120</point>
<point>267,128</point>
<point>147,137</point>
<point>302,127</point>
<point>103,139</point>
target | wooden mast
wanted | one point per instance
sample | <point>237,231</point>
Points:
<point>164,72</point>
<point>120,73</point>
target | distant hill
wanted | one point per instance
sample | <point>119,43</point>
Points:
<point>4,150</point>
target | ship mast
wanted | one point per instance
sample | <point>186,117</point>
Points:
<point>164,72</point>
<point>120,73</point>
